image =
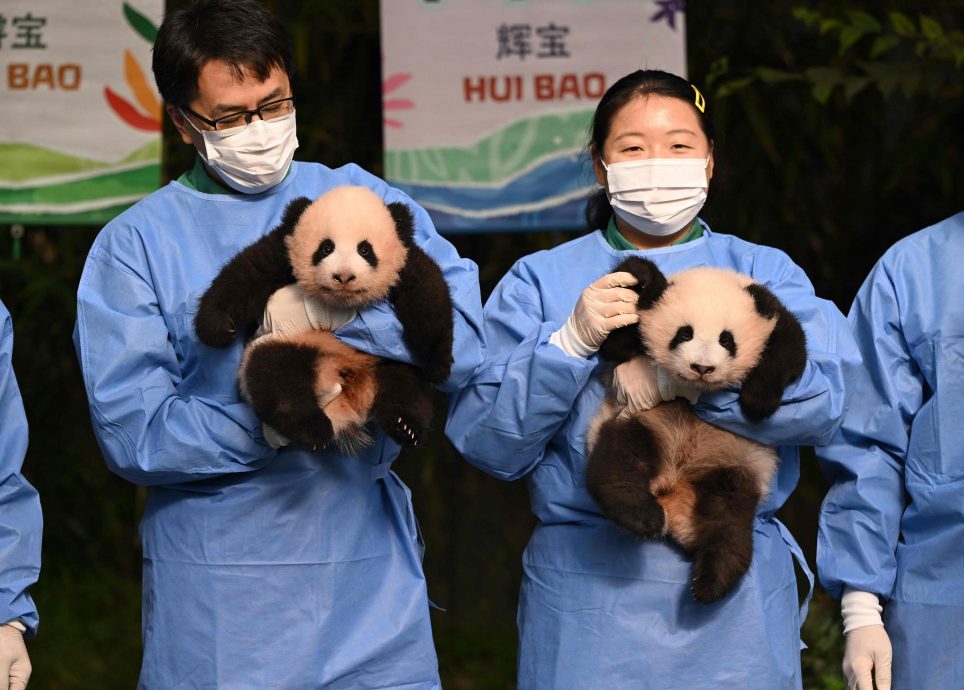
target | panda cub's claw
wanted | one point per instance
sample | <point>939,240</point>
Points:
<point>404,432</point>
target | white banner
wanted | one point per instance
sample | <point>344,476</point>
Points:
<point>80,118</point>
<point>487,103</point>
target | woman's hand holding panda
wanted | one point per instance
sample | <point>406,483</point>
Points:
<point>604,306</point>
<point>639,385</point>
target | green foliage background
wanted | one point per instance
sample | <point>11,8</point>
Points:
<point>841,133</point>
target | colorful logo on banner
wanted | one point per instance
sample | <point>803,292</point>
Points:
<point>149,119</point>
<point>80,122</point>
<point>486,115</point>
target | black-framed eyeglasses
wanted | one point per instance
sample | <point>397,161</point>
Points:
<point>268,111</point>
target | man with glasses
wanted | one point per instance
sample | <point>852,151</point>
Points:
<point>262,568</point>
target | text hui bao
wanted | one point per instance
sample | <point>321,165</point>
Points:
<point>540,87</point>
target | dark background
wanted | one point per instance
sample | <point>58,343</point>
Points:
<point>841,131</point>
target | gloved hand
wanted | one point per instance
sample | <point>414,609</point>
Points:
<point>289,311</point>
<point>14,663</point>
<point>603,307</point>
<point>867,654</point>
<point>638,385</point>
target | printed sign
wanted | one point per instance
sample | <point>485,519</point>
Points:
<point>487,103</point>
<point>80,119</point>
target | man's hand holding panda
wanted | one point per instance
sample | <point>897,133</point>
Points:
<point>346,250</point>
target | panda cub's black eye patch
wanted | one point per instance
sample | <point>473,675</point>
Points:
<point>728,343</point>
<point>367,252</point>
<point>324,249</point>
<point>684,334</point>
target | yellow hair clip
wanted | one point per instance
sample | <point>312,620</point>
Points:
<point>700,102</point>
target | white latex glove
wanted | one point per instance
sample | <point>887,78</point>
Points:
<point>603,307</point>
<point>289,311</point>
<point>14,663</point>
<point>867,655</point>
<point>638,385</point>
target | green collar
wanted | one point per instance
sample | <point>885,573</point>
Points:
<point>618,242</point>
<point>197,178</point>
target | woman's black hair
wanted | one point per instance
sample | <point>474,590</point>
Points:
<point>644,82</point>
<point>241,33</point>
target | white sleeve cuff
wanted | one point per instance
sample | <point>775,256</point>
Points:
<point>15,623</point>
<point>859,609</point>
<point>568,341</point>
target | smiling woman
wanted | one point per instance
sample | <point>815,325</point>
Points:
<point>600,607</point>
<point>650,141</point>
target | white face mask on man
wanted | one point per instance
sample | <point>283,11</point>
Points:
<point>254,158</point>
<point>657,196</point>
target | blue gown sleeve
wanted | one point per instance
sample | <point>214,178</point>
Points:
<point>502,420</point>
<point>376,329</point>
<point>860,517</point>
<point>148,432</point>
<point>21,522</point>
<point>813,405</point>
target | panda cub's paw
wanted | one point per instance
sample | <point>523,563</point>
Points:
<point>439,369</point>
<point>646,521</point>
<point>716,573</point>
<point>215,328</point>
<point>405,419</point>
<point>759,402</point>
<point>707,588</point>
<point>403,407</point>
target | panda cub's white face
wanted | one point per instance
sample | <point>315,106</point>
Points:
<point>705,328</point>
<point>345,249</point>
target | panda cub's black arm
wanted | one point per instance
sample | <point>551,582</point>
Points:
<point>622,344</point>
<point>625,343</point>
<point>239,293</point>
<point>424,308</point>
<point>782,362</point>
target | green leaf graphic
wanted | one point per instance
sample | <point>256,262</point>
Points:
<point>140,23</point>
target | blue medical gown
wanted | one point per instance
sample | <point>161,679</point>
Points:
<point>21,522</point>
<point>893,521</point>
<point>600,608</point>
<point>262,568</point>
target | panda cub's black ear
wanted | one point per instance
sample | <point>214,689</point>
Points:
<point>766,303</point>
<point>404,222</point>
<point>292,213</point>
<point>651,281</point>
<point>625,343</point>
<point>783,360</point>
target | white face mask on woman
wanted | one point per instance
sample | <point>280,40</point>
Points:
<point>657,196</point>
<point>254,158</point>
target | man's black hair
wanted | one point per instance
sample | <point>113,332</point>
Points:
<point>241,33</point>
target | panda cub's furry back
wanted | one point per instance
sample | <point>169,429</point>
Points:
<point>346,249</point>
<point>664,471</point>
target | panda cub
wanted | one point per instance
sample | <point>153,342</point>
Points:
<point>346,249</point>
<point>664,471</point>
